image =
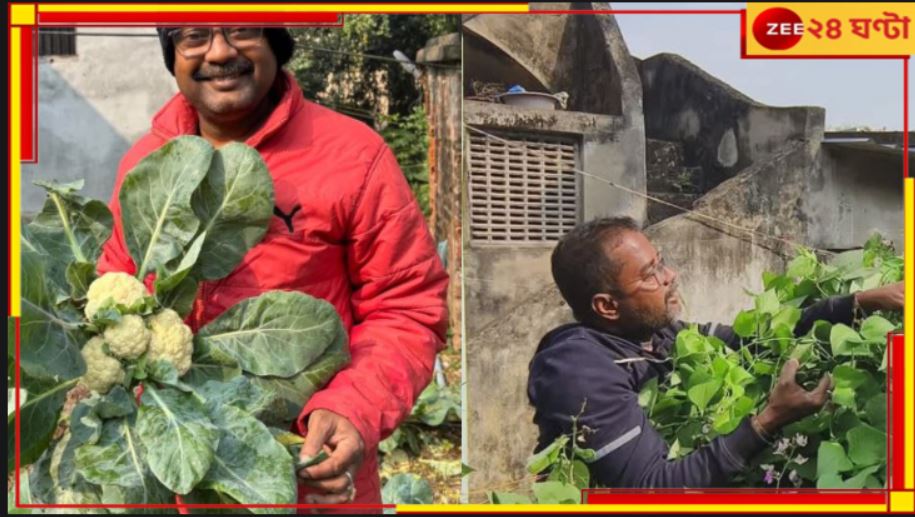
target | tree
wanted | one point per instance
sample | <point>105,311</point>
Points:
<point>352,70</point>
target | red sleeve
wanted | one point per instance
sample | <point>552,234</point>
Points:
<point>399,308</point>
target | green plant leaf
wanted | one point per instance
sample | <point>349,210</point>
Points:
<point>875,329</point>
<point>50,333</point>
<point>767,303</point>
<point>649,394</point>
<point>201,372</point>
<point>737,376</point>
<point>115,459</point>
<point>802,266</point>
<point>548,456</point>
<point>875,410</point>
<point>859,480</point>
<point>53,478</point>
<point>830,480</point>
<point>436,405</point>
<point>581,476</point>
<point>848,376</point>
<point>234,204</point>
<point>79,275</point>
<point>292,393</point>
<point>25,495</point>
<point>554,492</point>
<point>466,469</point>
<point>702,394</point>
<point>174,288</point>
<point>200,496</point>
<point>179,438</point>
<point>406,489</point>
<point>69,228</point>
<point>279,333</point>
<point>239,392</point>
<point>39,421</point>
<point>787,317</point>
<point>250,466</point>
<point>845,396</point>
<point>155,202</point>
<point>745,324</point>
<point>843,420</point>
<point>866,445</point>
<point>508,498</point>
<point>181,298</point>
<point>845,341</point>
<point>831,459</point>
<point>153,492</point>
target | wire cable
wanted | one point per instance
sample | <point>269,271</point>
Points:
<point>654,199</point>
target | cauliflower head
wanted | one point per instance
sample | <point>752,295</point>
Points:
<point>116,286</point>
<point>127,338</point>
<point>102,370</point>
<point>171,340</point>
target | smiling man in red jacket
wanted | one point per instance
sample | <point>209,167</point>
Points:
<point>348,230</point>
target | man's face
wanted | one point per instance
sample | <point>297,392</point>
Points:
<point>226,83</point>
<point>647,297</point>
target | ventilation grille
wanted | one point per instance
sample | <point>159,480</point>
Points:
<point>525,191</point>
<point>57,41</point>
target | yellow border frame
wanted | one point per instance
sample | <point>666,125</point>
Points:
<point>26,14</point>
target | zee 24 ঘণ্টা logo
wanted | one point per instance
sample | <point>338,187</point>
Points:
<point>780,28</point>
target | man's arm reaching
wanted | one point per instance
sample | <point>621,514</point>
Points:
<point>835,309</point>
<point>630,452</point>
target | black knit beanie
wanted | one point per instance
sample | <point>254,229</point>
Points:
<point>280,41</point>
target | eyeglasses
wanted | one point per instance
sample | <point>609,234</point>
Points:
<point>654,278</point>
<point>192,42</point>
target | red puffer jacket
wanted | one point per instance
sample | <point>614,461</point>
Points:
<point>358,240</point>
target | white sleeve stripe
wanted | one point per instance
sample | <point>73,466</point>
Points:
<point>627,437</point>
<point>711,331</point>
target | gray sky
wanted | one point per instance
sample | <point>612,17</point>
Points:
<point>854,92</point>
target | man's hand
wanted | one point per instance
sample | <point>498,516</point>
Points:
<point>790,402</point>
<point>887,298</point>
<point>334,476</point>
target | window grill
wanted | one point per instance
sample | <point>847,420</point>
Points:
<point>57,41</point>
<point>524,191</point>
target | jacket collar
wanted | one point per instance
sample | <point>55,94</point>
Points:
<point>178,117</point>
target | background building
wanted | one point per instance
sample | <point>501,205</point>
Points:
<point>635,138</point>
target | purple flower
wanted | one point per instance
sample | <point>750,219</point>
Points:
<point>769,477</point>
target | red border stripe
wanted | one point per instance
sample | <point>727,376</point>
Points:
<point>905,117</point>
<point>181,18</point>
<point>598,496</point>
<point>896,417</point>
<point>27,95</point>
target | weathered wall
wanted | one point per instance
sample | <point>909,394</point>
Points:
<point>749,224</point>
<point>722,130</point>
<point>604,153</point>
<point>499,418</point>
<point>714,268</point>
<point>92,106</point>
<point>715,262</point>
<point>770,183</point>
<point>854,192</point>
<point>441,61</point>
<point>554,53</point>
<point>510,300</point>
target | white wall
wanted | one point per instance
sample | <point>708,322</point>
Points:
<point>93,106</point>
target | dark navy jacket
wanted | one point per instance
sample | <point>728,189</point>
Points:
<point>575,363</point>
